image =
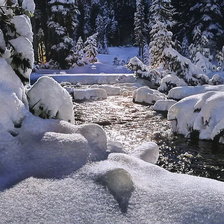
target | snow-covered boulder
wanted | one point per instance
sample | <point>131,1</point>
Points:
<point>89,94</point>
<point>179,93</point>
<point>111,90</point>
<point>169,82</point>
<point>163,105</point>
<point>48,99</point>
<point>146,95</point>
<point>204,115</point>
<point>148,151</point>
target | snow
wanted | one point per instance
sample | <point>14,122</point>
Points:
<point>178,93</point>
<point>204,115</point>
<point>29,5</point>
<point>148,152</point>
<point>23,26</point>
<point>146,95</point>
<point>170,81</point>
<point>163,105</point>
<point>111,90</point>
<point>89,94</point>
<point>88,79</point>
<point>48,99</point>
<point>155,196</point>
<point>23,46</point>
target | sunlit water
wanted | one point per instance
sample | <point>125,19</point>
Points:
<point>132,124</point>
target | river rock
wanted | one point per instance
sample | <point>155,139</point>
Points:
<point>120,185</point>
<point>89,94</point>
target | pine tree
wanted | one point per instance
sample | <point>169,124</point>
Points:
<point>161,39</point>
<point>62,24</point>
<point>90,49</point>
<point>208,17</point>
<point>140,26</point>
<point>15,41</point>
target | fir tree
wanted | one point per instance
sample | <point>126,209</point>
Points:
<point>90,49</point>
<point>62,25</point>
<point>140,26</point>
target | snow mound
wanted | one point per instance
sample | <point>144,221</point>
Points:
<point>146,95</point>
<point>169,82</point>
<point>89,94</point>
<point>111,90</point>
<point>48,99</point>
<point>163,105</point>
<point>216,80</point>
<point>180,198</point>
<point>204,115</point>
<point>149,152</point>
<point>179,93</point>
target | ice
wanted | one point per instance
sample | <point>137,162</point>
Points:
<point>89,94</point>
<point>48,99</point>
<point>178,93</point>
<point>148,151</point>
<point>146,95</point>
<point>163,105</point>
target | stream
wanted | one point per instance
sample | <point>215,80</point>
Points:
<point>132,124</point>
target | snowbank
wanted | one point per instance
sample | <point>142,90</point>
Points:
<point>163,105</point>
<point>179,93</point>
<point>48,99</point>
<point>146,95</point>
<point>111,90</point>
<point>204,115</point>
<point>89,94</point>
<point>150,195</point>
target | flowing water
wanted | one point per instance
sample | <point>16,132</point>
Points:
<point>132,124</point>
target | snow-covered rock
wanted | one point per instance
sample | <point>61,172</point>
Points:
<point>48,99</point>
<point>111,90</point>
<point>179,93</point>
<point>204,115</point>
<point>169,82</point>
<point>89,94</point>
<point>146,95</point>
<point>148,151</point>
<point>163,105</point>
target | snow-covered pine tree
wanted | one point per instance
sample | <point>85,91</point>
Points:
<point>208,16</point>
<point>140,26</point>
<point>161,39</point>
<point>90,49</point>
<point>16,37</point>
<point>101,28</point>
<point>62,25</point>
<point>163,11</point>
<point>146,56</point>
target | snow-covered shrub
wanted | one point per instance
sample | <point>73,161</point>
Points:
<point>183,67</point>
<point>216,80</point>
<point>146,95</point>
<point>169,82</point>
<point>143,71</point>
<point>204,115</point>
<point>179,93</point>
<point>48,99</point>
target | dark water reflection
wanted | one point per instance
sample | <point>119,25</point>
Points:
<point>200,158</point>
